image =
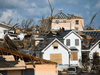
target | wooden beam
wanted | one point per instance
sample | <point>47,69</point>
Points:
<point>27,56</point>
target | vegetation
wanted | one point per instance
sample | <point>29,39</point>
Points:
<point>90,26</point>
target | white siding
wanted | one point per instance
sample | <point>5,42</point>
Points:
<point>2,32</point>
<point>72,38</point>
<point>95,49</point>
<point>61,49</point>
<point>2,28</point>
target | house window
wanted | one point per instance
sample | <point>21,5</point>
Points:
<point>74,56</point>
<point>57,21</point>
<point>76,42</point>
<point>68,42</point>
<point>64,21</point>
<point>77,22</point>
<point>55,45</point>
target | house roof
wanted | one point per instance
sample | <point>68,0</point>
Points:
<point>4,63</point>
<point>61,34</point>
<point>87,41</point>
<point>94,34</point>
<point>25,57</point>
<point>42,45</point>
<point>56,40</point>
<point>58,34</point>
<point>73,49</point>
<point>61,15</point>
<point>95,45</point>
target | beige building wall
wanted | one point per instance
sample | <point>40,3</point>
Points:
<point>45,69</point>
<point>67,24</point>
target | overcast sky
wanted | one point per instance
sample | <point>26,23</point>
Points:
<point>24,9</point>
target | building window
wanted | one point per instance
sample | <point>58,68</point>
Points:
<point>76,42</point>
<point>77,22</point>
<point>57,21</point>
<point>68,42</point>
<point>74,56</point>
<point>64,21</point>
<point>55,47</point>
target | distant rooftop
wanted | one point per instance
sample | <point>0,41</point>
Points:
<point>61,15</point>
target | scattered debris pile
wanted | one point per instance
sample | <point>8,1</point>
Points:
<point>9,44</point>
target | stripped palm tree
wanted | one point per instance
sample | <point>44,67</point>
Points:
<point>90,26</point>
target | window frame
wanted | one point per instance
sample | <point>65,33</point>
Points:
<point>64,21</point>
<point>77,22</point>
<point>55,47</point>
<point>57,22</point>
<point>76,43</point>
<point>68,41</point>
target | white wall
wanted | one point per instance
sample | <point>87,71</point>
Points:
<point>51,50</point>
<point>72,38</point>
<point>2,31</point>
<point>95,49</point>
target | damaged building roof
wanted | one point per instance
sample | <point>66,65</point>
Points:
<point>61,15</point>
<point>94,34</point>
<point>4,63</point>
<point>87,41</point>
<point>43,44</point>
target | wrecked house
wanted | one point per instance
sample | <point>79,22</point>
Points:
<point>60,20</point>
<point>16,63</point>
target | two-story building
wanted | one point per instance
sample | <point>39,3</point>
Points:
<point>60,20</point>
<point>64,48</point>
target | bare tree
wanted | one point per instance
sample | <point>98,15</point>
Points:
<point>46,24</point>
<point>52,9</point>
<point>13,27</point>
<point>28,25</point>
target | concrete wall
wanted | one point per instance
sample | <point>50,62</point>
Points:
<point>61,49</point>
<point>72,38</point>
<point>68,24</point>
<point>45,69</point>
